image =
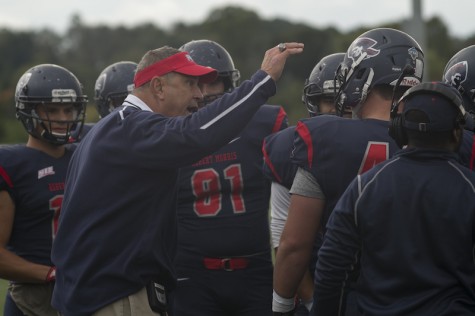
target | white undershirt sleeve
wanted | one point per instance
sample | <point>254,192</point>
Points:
<point>279,208</point>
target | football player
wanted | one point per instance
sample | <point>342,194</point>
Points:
<point>330,151</point>
<point>318,96</point>
<point>409,219</point>
<point>112,86</point>
<point>460,73</point>
<point>224,262</point>
<point>51,106</point>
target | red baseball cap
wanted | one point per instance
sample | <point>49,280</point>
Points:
<point>181,63</point>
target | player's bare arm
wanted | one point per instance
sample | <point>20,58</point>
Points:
<point>296,243</point>
<point>13,267</point>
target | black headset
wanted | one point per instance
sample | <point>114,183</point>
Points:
<point>396,126</point>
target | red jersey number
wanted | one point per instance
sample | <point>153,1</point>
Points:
<point>376,152</point>
<point>206,188</point>
<point>55,205</point>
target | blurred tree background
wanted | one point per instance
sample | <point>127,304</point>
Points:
<point>87,50</point>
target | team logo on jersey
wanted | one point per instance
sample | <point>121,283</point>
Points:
<point>457,74</point>
<point>363,45</point>
<point>48,171</point>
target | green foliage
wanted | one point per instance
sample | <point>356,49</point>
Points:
<point>86,50</point>
<point>3,292</point>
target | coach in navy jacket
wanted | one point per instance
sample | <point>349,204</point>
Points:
<point>117,229</point>
<point>410,219</point>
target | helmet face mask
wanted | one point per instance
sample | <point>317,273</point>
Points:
<point>53,121</point>
<point>377,57</point>
<point>113,85</point>
<point>41,93</point>
<point>316,104</point>
<point>321,84</point>
<point>212,91</point>
<point>211,54</point>
<point>460,73</point>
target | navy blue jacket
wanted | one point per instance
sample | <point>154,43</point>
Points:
<point>411,220</point>
<point>117,230</point>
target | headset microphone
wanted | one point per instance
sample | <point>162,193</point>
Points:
<point>407,71</point>
<point>396,130</point>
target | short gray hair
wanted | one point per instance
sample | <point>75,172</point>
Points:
<point>155,55</point>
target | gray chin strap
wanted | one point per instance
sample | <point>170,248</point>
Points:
<point>355,64</point>
<point>356,111</point>
<point>342,98</point>
<point>367,84</point>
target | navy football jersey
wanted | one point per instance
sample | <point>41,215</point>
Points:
<point>35,182</point>
<point>277,149</point>
<point>223,199</point>
<point>335,150</point>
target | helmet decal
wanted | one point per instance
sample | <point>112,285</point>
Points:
<point>457,74</point>
<point>100,82</point>
<point>23,82</point>
<point>363,45</point>
<point>413,53</point>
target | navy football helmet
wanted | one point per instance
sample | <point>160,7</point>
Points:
<point>377,57</point>
<point>50,84</point>
<point>321,83</point>
<point>460,73</point>
<point>113,85</point>
<point>211,54</point>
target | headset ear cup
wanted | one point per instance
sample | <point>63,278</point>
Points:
<point>468,122</point>
<point>397,132</point>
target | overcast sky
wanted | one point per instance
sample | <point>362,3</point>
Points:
<point>458,15</point>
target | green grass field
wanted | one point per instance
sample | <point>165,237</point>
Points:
<point>3,291</point>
